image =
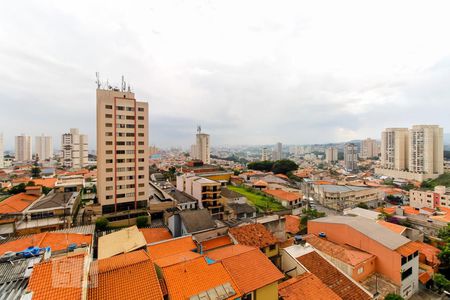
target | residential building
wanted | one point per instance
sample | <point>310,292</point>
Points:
<point>74,149</point>
<point>265,154</point>
<point>396,256</point>
<point>122,154</point>
<point>350,157</point>
<point>369,148</point>
<point>190,221</point>
<point>278,151</point>
<point>287,199</point>
<point>306,286</point>
<point>2,164</point>
<point>428,198</point>
<point>415,154</point>
<point>44,147</point>
<point>331,154</point>
<point>23,148</point>
<point>202,149</point>
<point>340,197</point>
<point>255,235</point>
<point>123,241</point>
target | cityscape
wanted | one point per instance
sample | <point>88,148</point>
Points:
<point>208,185</point>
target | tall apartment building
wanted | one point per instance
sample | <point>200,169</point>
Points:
<point>44,147</point>
<point>23,148</point>
<point>202,149</point>
<point>331,154</point>
<point>415,154</point>
<point>2,164</point>
<point>265,154</point>
<point>122,155</point>
<point>369,148</point>
<point>350,157</point>
<point>74,149</point>
<point>278,151</point>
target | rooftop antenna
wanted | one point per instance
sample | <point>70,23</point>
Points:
<point>199,129</point>
<point>123,87</point>
<point>98,82</point>
<point>129,88</point>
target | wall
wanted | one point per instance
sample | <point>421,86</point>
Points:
<point>289,263</point>
<point>268,292</point>
<point>411,284</point>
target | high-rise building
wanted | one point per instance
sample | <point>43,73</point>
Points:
<point>331,154</point>
<point>44,147</point>
<point>426,149</point>
<point>264,154</point>
<point>23,148</point>
<point>2,165</point>
<point>350,157</point>
<point>74,149</point>
<point>369,148</point>
<point>414,154</point>
<point>202,148</point>
<point>122,155</point>
<point>278,151</point>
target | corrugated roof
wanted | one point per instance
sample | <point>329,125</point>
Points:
<point>331,188</point>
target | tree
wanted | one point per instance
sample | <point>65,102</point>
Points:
<point>141,221</point>
<point>310,214</point>
<point>20,188</point>
<point>36,171</point>
<point>261,165</point>
<point>284,166</point>
<point>441,282</point>
<point>46,190</point>
<point>392,296</point>
<point>101,224</point>
<point>362,205</point>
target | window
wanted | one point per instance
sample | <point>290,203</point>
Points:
<point>120,195</point>
<point>129,195</point>
<point>141,193</point>
<point>130,108</point>
<point>130,143</point>
<point>108,106</point>
<point>130,134</point>
<point>109,143</point>
<point>120,161</point>
<point>120,125</point>
<point>120,152</point>
<point>141,168</point>
<point>108,116</point>
<point>406,273</point>
<point>140,134</point>
<point>141,159</point>
<point>141,184</point>
<point>109,170</point>
<point>272,247</point>
<point>130,117</point>
<point>108,133</point>
<point>140,118</point>
<point>140,126</point>
<point>108,125</point>
<point>140,109</point>
<point>109,188</point>
<point>140,151</point>
<point>109,152</point>
<point>109,161</point>
<point>130,125</point>
<point>141,176</point>
<point>130,151</point>
<point>120,143</point>
<point>361,270</point>
<point>109,197</point>
<point>120,108</point>
<point>109,178</point>
<point>141,143</point>
<point>130,160</point>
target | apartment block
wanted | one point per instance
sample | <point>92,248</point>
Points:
<point>331,154</point>
<point>74,149</point>
<point>278,151</point>
<point>428,198</point>
<point>265,154</point>
<point>369,148</point>
<point>122,154</point>
<point>206,191</point>
<point>201,150</point>
<point>44,147</point>
<point>23,148</point>
<point>415,154</point>
<point>350,157</point>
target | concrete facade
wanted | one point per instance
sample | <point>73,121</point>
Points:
<point>350,157</point>
<point>44,147</point>
<point>429,198</point>
<point>202,149</point>
<point>369,148</point>
<point>74,149</point>
<point>331,154</point>
<point>23,148</point>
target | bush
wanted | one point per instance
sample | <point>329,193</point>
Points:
<point>101,224</point>
<point>141,221</point>
<point>392,296</point>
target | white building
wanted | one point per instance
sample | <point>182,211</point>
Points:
<point>23,148</point>
<point>278,151</point>
<point>202,147</point>
<point>331,154</point>
<point>2,165</point>
<point>265,154</point>
<point>369,148</point>
<point>44,147</point>
<point>350,157</point>
<point>74,149</point>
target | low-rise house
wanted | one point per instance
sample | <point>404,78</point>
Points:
<point>190,221</point>
<point>230,196</point>
<point>122,241</point>
<point>255,235</point>
<point>340,197</point>
<point>153,235</point>
<point>292,226</point>
<point>287,199</point>
<point>430,198</point>
<point>306,286</point>
<point>239,211</point>
<point>70,183</point>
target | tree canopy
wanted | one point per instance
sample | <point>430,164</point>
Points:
<point>283,166</point>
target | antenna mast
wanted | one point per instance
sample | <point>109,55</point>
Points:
<point>98,82</point>
<point>199,129</point>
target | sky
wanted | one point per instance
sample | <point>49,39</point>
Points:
<point>248,72</point>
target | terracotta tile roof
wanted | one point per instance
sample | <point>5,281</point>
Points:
<point>260,183</point>
<point>332,277</point>
<point>306,286</point>
<point>153,235</point>
<point>430,252</point>
<point>47,182</point>
<point>393,227</point>
<point>216,243</point>
<point>17,203</point>
<point>125,276</point>
<point>282,176</point>
<point>283,195</point>
<point>349,256</point>
<point>55,240</point>
<point>171,247</point>
<point>255,235</point>
<point>66,284</point>
<point>407,249</point>
<point>424,277</point>
<point>176,258</point>
<point>251,270</point>
<point>225,252</point>
<point>292,224</point>
<point>184,280</point>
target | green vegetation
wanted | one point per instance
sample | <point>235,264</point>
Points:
<point>258,199</point>
<point>392,296</point>
<point>310,214</point>
<point>362,205</point>
<point>101,224</point>
<point>441,282</point>
<point>443,179</point>
<point>141,221</point>
<point>283,166</point>
<point>20,188</point>
<point>444,255</point>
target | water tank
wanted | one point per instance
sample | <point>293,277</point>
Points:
<point>322,235</point>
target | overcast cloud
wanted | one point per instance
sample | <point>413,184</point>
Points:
<point>250,72</point>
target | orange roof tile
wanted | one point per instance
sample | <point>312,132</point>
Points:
<point>66,284</point>
<point>255,235</point>
<point>393,227</point>
<point>153,235</point>
<point>260,183</point>
<point>176,258</point>
<point>216,243</point>
<point>346,255</point>
<point>407,249</point>
<point>306,286</point>
<point>262,273</point>
<point>55,240</point>
<point>225,252</point>
<point>17,203</point>
<point>190,278</point>
<point>171,247</point>
<point>430,252</point>
<point>292,224</point>
<point>125,276</point>
<point>47,182</point>
<point>424,277</point>
<point>332,277</point>
<point>282,176</point>
<point>283,195</point>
